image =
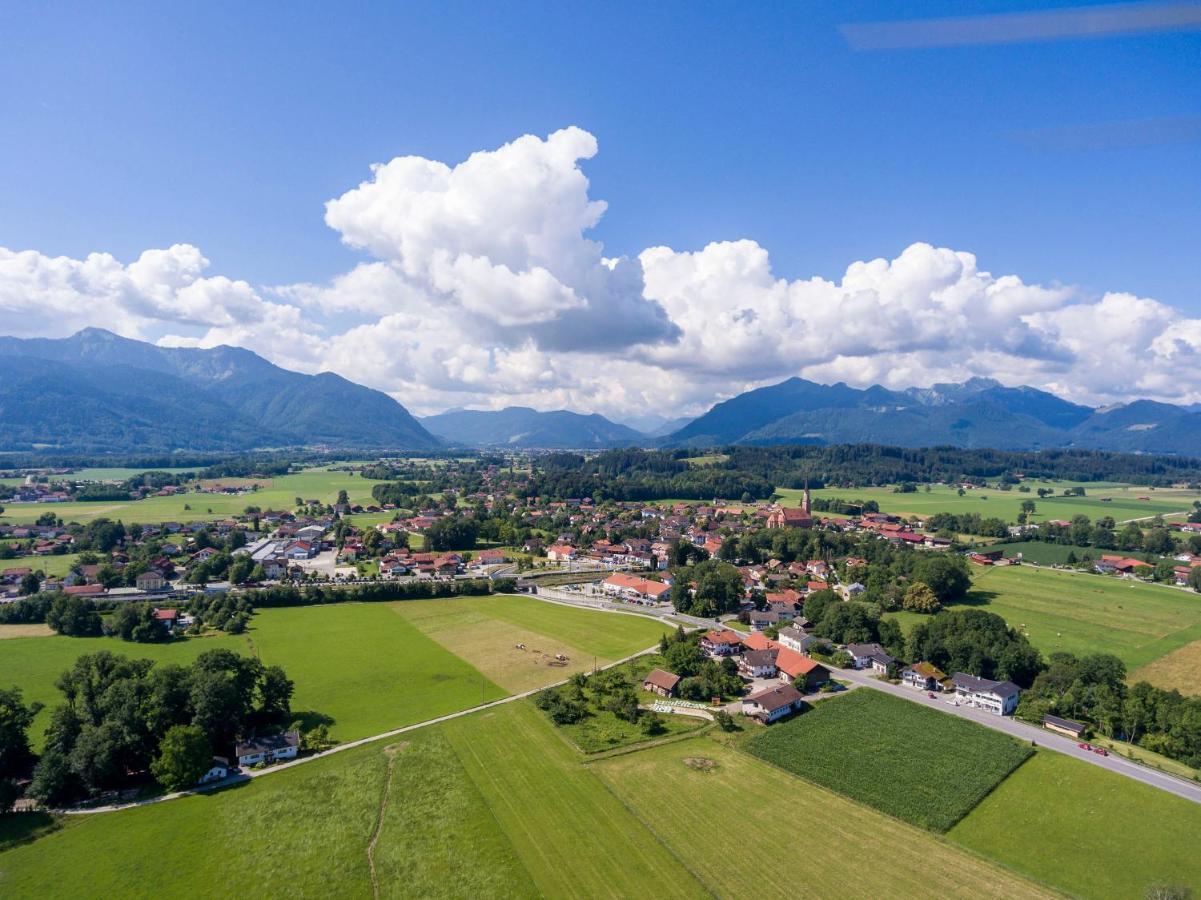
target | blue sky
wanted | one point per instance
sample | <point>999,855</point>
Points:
<point>228,126</point>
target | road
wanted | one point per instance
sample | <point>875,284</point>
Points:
<point>1024,731</point>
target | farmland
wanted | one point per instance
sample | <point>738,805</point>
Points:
<point>1087,831</point>
<point>487,630</point>
<point>1082,613</point>
<point>1180,670</point>
<point>320,484</point>
<point>687,791</point>
<point>368,665</point>
<point>1122,505</point>
<point>920,765</point>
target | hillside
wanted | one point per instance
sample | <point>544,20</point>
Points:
<point>519,426</point>
<point>978,413</point>
<point>96,391</point>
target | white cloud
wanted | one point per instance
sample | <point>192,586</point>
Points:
<point>484,289</point>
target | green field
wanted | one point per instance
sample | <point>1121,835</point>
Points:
<point>487,630</point>
<point>1123,504</point>
<point>732,819</point>
<point>1082,613</point>
<point>1043,554</point>
<point>918,764</point>
<point>52,566</point>
<point>1088,831</point>
<point>366,665</point>
<point>312,484</point>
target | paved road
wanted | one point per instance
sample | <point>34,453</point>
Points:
<point>1189,790</point>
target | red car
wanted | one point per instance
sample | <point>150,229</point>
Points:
<point>931,695</point>
<point>1101,750</point>
<point>1084,746</point>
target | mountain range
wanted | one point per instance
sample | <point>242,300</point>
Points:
<point>96,391</point>
<point>979,413</point>
<point>519,426</point>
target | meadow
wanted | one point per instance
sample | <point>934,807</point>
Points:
<point>926,767</point>
<point>367,665</point>
<point>1083,613</point>
<point>732,819</point>
<point>1087,831</point>
<point>54,566</point>
<point>1179,670</point>
<point>487,630</point>
<point>1124,502</point>
<point>1043,554</point>
<point>320,484</point>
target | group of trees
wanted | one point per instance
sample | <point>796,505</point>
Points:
<point>122,717</point>
<point>640,475</point>
<point>707,589</point>
<point>1103,535</point>
<point>975,641</point>
<point>15,756</point>
<point>701,678</point>
<point>452,533</point>
<point>316,594</point>
<point>1093,689</point>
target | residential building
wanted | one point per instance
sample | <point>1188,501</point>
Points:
<point>268,749</point>
<point>773,703</point>
<point>1000,697</point>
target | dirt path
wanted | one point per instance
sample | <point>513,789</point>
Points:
<point>391,752</point>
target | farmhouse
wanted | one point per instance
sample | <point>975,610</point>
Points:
<point>269,749</point>
<point>795,639</point>
<point>870,656</point>
<point>797,668</point>
<point>1000,697</point>
<point>560,553</point>
<point>659,682</point>
<point>924,676</point>
<point>720,643</point>
<point>772,704</point>
<point>758,663</point>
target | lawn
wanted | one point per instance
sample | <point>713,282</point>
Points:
<point>1084,613</point>
<point>575,838</point>
<point>1085,830</point>
<point>487,630</point>
<point>1044,554</point>
<point>53,566</point>
<point>1122,505</point>
<point>1179,670</point>
<point>359,663</point>
<point>732,818</point>
<point>920,765</point>
<point>312,484</point>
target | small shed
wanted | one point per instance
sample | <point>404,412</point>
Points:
<point>1064,726</point>
<point>660,682</point>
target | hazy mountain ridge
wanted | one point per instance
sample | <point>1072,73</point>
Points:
<point>98,391</point>
<point>520,426</point>
<point>980,412</point>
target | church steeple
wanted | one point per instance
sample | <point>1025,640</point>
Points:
<point>805,504</point>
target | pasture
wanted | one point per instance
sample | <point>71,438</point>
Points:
<point>1123,502</point>
<point>487,630</point>
<point>1082,613</point>
<point>926,767</point>
<point>1179,670</point>
<point>1086,831</point>
<point>687,791</point>
<point>320,484</point>
<point>54,566</point>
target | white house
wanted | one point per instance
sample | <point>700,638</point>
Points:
<point>1000,697</point>
<point>269,749</point>
<point>217,772</point>
<point>870,656</point>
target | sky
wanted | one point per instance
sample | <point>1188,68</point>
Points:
<point>620,208</point>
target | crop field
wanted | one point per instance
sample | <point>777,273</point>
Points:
<point>1087,831</point>
<point>1123,500</point>
<point>1180,670</point>
<point>920,765</point>
<point>686,792</point>
<point>1082,613</point>
<point>312,484</point>
<point>487,631</point>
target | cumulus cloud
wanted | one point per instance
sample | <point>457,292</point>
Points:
<point>483,288</point>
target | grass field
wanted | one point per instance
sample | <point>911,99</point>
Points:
<point>53,566</point>
<point>1044,554</point>
<point>1087,831</point>
<point>1082,613</point>
<point>312,484</point>
<point>921,765</point>
<point>487,630</point>
<point>1123,504</point>
<point>1179,670</point>
<point>732,819</point>
<point>370,666</point>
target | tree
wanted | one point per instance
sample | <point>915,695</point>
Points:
<point>185,754</point>
<point>1194,578</point>
<point>816,603</point>
<point>136,622</point>
<point>947,576</point>
<point>275,695</point>
<point>683,658</point>
<point>73,616</point>
<point>30,584</point>
<point>920,598</point>
<point>15,718</point>
<point>452,533</point>
<point>1029,506</point>
<point>849,623</point>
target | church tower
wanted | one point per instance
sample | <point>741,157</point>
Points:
<point>805,504</point>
